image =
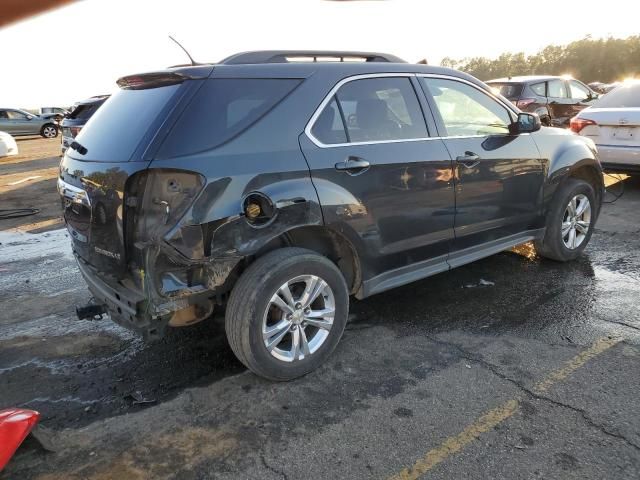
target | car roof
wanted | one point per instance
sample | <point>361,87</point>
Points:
<point>308,69</point>
<point>90,100</point>
<point>526,79</point>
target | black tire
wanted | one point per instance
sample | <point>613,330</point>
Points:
<point>47,128</point>
<point>251,297</point>
<point>553,246</point>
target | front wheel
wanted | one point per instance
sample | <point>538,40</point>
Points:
<point>287,313</point>
<point>49,131</point>
<point>570,221</point>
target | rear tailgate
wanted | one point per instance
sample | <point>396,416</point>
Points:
<point>106,153</point>
<point>614,126</point>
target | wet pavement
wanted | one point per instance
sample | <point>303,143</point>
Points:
<point>511,367</point>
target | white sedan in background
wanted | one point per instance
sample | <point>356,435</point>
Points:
<point>613,123</point>
<point>8,145</point>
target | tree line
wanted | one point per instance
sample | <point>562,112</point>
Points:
<point>590,60</point>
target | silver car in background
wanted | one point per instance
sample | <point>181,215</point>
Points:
<point>613,123</point>
<point>20,122</point>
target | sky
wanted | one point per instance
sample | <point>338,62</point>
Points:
<point>65,55</point>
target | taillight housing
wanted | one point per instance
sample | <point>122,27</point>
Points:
<point>524,103</point>
<point>576,124</point>
<point>167,196</point>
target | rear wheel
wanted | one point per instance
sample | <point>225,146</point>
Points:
<point>49,131</point>
<point>287,313</point>
<point>570,221</point>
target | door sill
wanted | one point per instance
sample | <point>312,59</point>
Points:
<point>427,268</point>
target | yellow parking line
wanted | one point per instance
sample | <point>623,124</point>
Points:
<point>575,363</point>
<point>454,444</point>
<point>496,416</point>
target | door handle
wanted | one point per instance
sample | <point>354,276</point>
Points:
<point>353,165</point>
<point>468,160</point>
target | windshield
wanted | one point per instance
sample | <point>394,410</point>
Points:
<point>115,130</point>
<point>626,95</point>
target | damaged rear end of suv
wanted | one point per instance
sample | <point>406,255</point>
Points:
<point>146,202</point>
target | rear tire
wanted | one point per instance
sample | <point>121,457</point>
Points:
<point>274,326</point>
<point>570,221</point>
<point>49,131</point>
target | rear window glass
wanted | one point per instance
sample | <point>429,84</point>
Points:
<point>624,96</point>
<point>538,88</point>
<point>508,90</point>
<point>222,109</point>
<point>118,126</point>
<point>84,112</point>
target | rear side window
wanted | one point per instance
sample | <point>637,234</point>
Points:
<point>329,127</point>
<point>84,112</point>
<point>508,90</point>
<point>539,88</point>
<point>222,109</point>
<point>557,89</point>
<point>381,109</point>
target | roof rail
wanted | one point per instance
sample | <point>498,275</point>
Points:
<point>287,56</point>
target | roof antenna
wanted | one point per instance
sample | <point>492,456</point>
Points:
<point>193,62</point>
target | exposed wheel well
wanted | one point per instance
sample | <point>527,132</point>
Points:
<point>327,243</point>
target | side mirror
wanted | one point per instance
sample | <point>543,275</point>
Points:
<point>526,123</point>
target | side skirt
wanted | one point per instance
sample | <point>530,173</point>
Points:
<point>411,273</point>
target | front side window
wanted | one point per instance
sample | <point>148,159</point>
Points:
<point>557,89</point>
<point>380,109</point>
<point>13,115</point>
<point>465,110</point>
<point>578,91</point>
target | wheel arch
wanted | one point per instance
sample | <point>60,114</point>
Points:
<point>326,242</point>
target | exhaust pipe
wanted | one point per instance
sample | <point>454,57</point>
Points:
<point>91,312</point>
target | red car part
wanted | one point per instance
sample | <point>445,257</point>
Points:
<point>15,425</point>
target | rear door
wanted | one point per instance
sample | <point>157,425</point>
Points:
<point>379,175</point>
<point>560,105</point>
<point>5,123</point>
<point>20,123</point>
<point>498,176</point>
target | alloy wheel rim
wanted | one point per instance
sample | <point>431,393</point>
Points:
<point>49,132</point>
<point>576,221</point>
<point>298,318</point>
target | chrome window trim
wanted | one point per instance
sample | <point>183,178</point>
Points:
<point>510,108</point>
<point>330,95</point>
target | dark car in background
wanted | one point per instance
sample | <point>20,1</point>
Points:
<point>554,99</point>
<point>274,189</point>
<point>79,115</point>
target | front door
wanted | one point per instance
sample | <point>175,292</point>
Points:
<point>499,176</point>
<point>381,180</point>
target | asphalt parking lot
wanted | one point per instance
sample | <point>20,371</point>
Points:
<point>510,367</point>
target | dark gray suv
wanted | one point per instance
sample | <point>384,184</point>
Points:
<point>276,189</point>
